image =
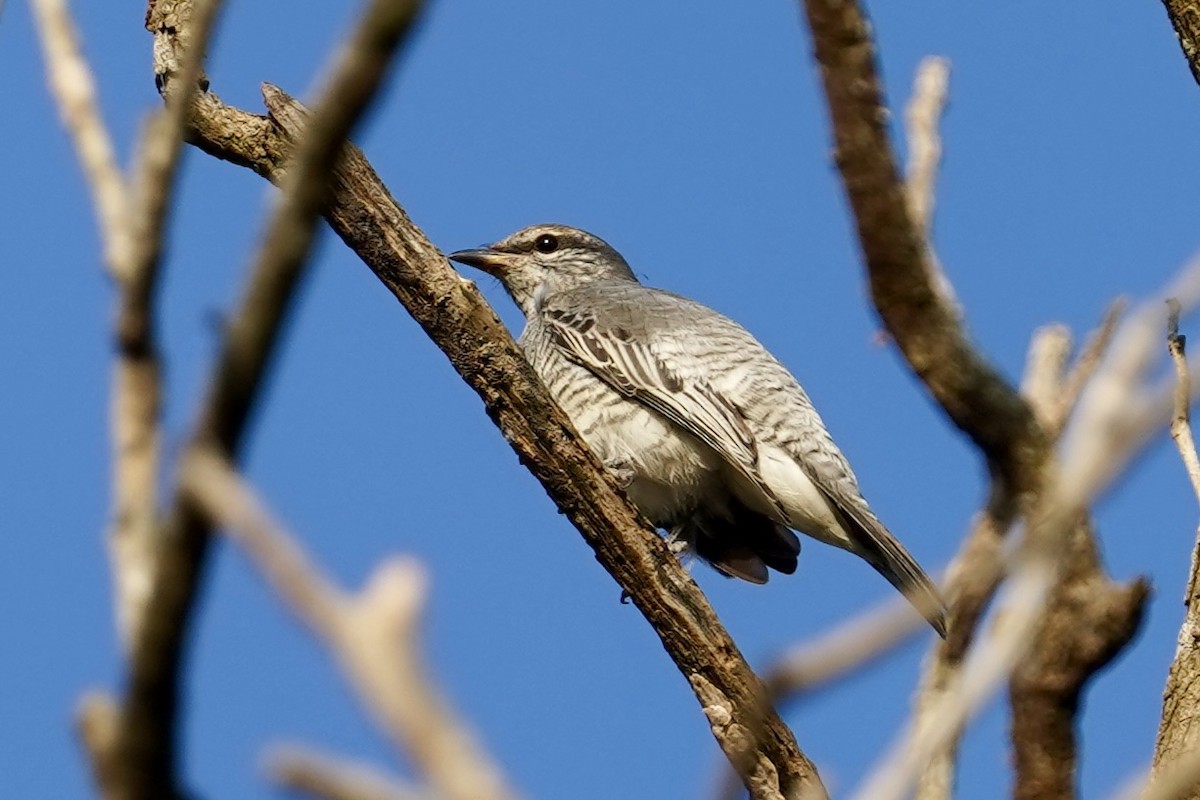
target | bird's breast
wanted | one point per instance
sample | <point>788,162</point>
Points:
<point>672,470</point>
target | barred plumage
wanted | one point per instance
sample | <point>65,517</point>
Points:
<point>712,437</point>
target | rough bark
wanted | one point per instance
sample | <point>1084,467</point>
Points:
<point>1185,18</point>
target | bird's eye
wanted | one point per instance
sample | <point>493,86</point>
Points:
<point>546,243</point>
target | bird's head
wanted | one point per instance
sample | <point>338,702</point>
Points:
<point>544,259</point>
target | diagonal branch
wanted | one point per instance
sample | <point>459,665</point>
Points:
<point>480,348</point>
<point>1185,19</point>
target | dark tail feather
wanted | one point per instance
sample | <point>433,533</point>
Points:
<point>884,552</point>
<point>743,545</point>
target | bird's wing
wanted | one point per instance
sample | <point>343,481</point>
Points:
<point>635,369</point>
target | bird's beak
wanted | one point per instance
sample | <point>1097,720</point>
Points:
<point>490,261</point>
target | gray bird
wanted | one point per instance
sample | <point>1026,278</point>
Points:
<point>711,437</point>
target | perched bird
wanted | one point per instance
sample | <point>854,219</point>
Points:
<point>711,437</point>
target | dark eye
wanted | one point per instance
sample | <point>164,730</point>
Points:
<point>546,243</point>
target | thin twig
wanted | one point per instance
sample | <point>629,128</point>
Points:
<point>1181,428</point>
<point>1085,365</point>
<point>374,635</point>
<point>924,140</point>
<point>74,88</point>
<point>1176,767</point>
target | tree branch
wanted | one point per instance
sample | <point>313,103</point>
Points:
<point>480,348</point>
<point>374,635</point>
<point>924,325</point>
<point>985,407</point>
<point>1179,730</point>
<point>1185,19</point>
<point>147,736</point>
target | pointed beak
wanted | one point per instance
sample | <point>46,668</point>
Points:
<point>490,261</point>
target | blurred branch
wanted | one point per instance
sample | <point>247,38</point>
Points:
<point>1178,779</point>
<point>137,383</point>
<point>1185,19</point>
<point>922,116</point>
<point>925,327</point>
<point>374,635</point>
<point>313,774</point>
<point>1052,665</point>
<point>74,89</point>
<point>130,216</point>
<point>1085,366</point>
<point>147,736</point>
<point>1058,646</point>
<point>838,654</point>
<point>924,112</point>
<point>1179,728</point>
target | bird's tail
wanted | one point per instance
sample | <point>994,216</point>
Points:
<point>742,543</point>
<point>883,551</point>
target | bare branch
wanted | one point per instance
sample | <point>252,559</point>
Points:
<point>924,142</point>
<point>981,403</point>
<point>1178,779</point>
<point>1085,366</point>
<point>137,390</point>
<point>457,318</point>
<point>74,88</point>
<point>1181,428</point>
<point>97,725</point>
<point>147,742</point>
<point>839,653</point>
<point>374,635</point>
<point>924,325</point>
<point>1185,18</point>
<point>1179,730</point>
<point>1045,371</point>
<point>307,772</point>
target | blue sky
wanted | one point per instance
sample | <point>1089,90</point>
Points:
<point>696,142</point>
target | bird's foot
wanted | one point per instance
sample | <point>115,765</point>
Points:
<point>679,546</point>
<point>622,470</point>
